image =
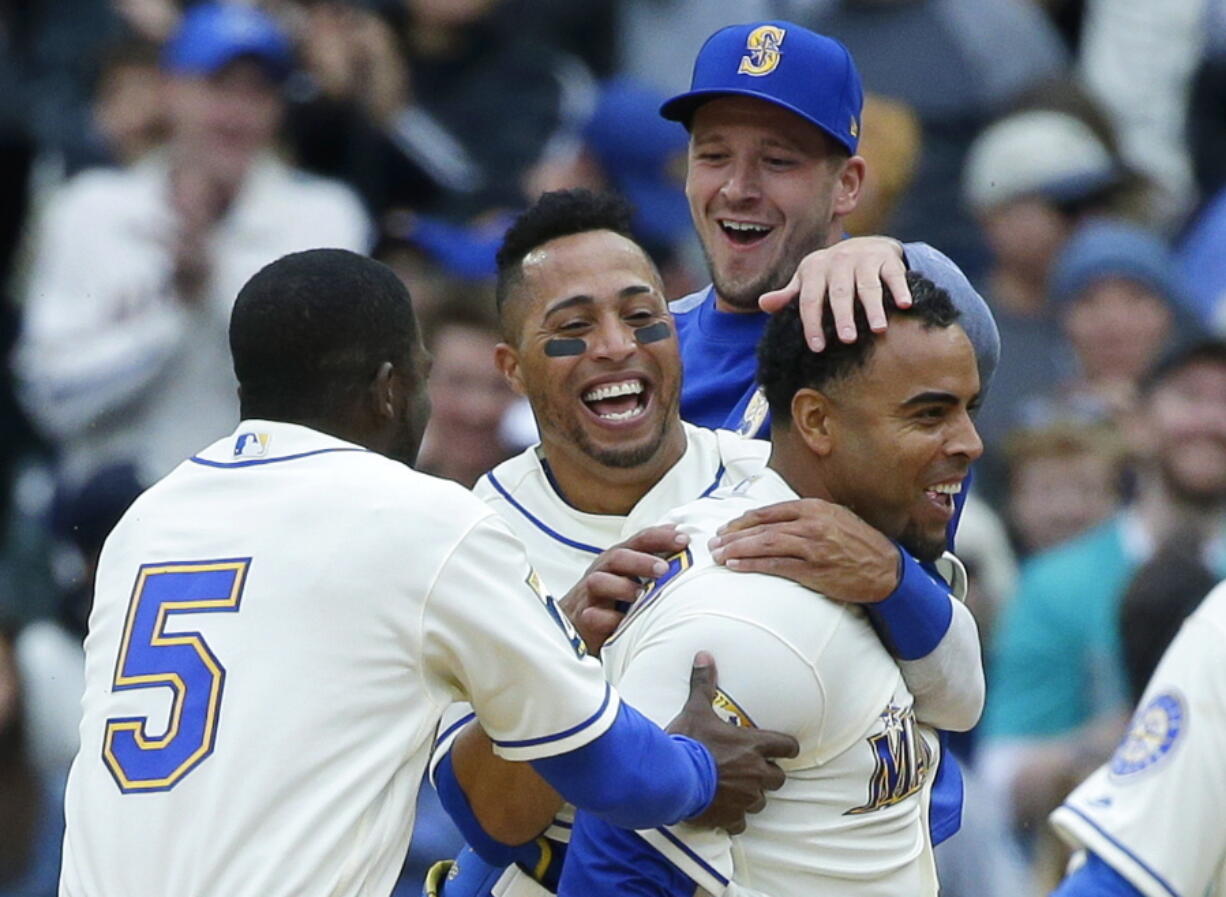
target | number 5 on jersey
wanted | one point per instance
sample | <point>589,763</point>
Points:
<point>150,657</point>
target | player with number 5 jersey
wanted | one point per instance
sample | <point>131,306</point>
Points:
<point>279,623</point>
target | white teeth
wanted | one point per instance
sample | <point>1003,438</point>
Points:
<point>613,390</point>
<point>947,488</point>
<point>745,226</point>
<point>623,415</point>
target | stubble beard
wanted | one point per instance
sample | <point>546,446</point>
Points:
<point>922,547</point>
<point>743,295</point>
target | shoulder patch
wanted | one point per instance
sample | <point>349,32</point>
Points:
<point>1153,733</point>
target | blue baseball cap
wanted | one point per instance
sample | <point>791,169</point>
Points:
<point>806,73</point>
<point>212,35</point>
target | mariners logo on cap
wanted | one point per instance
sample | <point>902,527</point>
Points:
<point>764,53</point>
<point>1154,732</point>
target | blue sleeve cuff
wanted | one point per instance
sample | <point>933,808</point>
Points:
<point>604,860</point>
<point>634,775</point>
<point>913,619</point>
<point>1096,879</point>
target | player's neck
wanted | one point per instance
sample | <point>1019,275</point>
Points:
<point>792,459</point>
<point>595,488</point>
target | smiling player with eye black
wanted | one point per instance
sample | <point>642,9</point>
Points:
<point>589,340</point>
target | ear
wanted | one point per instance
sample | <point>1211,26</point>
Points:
<point>848,186</point>
<point>384,392</point>
<point>811,418</point>
<point>507,360</point>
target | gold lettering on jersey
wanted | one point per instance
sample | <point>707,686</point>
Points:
<point>730,711</point>
<point>763,45</point>
<point>902,761</point>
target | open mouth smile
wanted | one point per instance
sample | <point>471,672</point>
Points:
<point>941,495</point>
<point>618,401</point>
<point>744,233</point>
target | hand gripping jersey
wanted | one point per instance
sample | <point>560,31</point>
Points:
<point>1154,812</point>
<point>563,541</point>
<point>852,816</point>
<point>278,625</point>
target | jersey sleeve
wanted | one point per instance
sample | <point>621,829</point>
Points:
<point>493,636</point>
<point>1153,812</point>
<point>763,682</point>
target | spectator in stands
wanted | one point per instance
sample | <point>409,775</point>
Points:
<point>1063,479</point>
<point>469,397</point>
<point>124,353</point>
<point>1057,696</point>
<point>440,106</point>
<point>1164,591</point>
<point>958,64</point>
<point>1030,178</point>
<point>1119,302</point>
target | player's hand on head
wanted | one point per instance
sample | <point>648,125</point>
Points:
<point>823,546</point>
<point>598,601</point>
<point>855,270</point>
<point>745,757</point>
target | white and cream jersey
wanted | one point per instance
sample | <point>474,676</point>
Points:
<point>563,541</point>
<point>851,818</point>
<point>1153,813</point>
<point>277,627</point>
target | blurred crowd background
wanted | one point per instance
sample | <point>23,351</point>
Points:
<point>1070,155</point>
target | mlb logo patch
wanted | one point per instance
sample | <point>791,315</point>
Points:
<point>251,445</point>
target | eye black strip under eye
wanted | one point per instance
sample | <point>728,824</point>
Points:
<point>560,348</point>
<point>653,333</point>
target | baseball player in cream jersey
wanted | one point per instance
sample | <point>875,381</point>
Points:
<point>573,244</point>
<point>279,623</point>
<point>1150,820</point>
<point>882,425</point>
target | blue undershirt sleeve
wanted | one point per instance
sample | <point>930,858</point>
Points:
<point>603,859</point>
<point>635,775</point>
<point>913,619</point>
<point>1096,879</point>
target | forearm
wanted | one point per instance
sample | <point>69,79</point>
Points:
<point>510,800</point>
<point>948,682</point>
<point>634,775</point>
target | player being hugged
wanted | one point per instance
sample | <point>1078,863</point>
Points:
<point>882,426</point>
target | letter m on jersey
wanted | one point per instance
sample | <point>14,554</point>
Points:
<point>903,760</point>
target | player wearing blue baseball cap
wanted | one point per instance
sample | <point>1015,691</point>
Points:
<point>773,112</point>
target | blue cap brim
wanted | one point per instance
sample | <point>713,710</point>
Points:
<point>681,108</point>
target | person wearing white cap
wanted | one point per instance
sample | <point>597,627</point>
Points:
<point>1029,179</point>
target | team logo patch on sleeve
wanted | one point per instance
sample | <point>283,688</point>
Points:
<point>1152,735</point>
<point>576,641</point>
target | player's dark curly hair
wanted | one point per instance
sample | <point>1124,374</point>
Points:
<point>558,213</point>
<point>310,330</point>
<point>786,364</point>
